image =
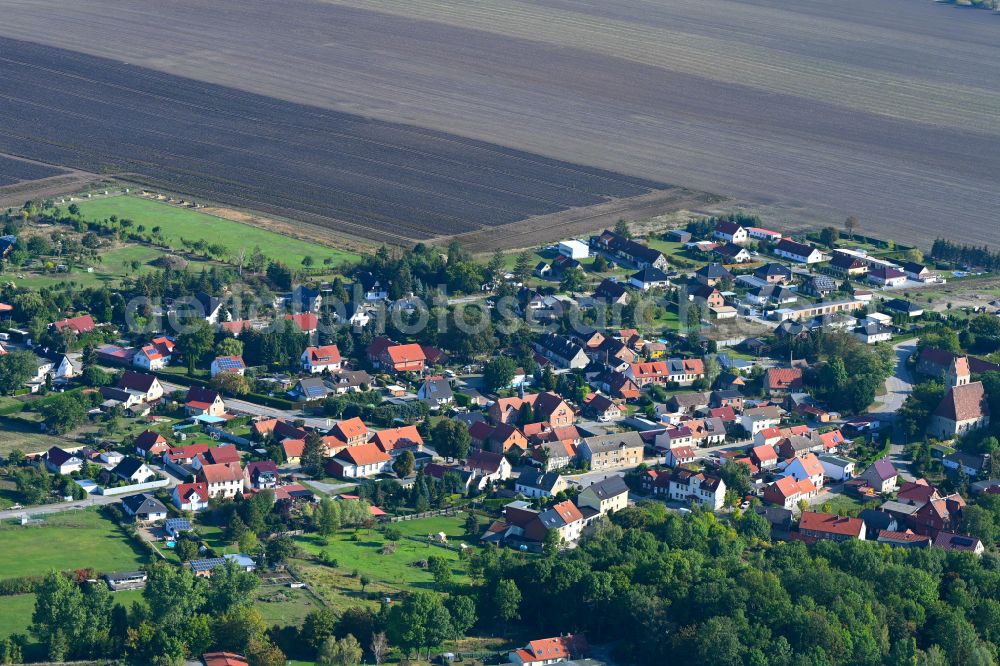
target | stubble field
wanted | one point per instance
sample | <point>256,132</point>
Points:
<point>374,179</point>
<point>807,111</point>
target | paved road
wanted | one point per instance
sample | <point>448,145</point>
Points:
<point>899,385</point>
<point>92,500</point>
<point>253,409</point>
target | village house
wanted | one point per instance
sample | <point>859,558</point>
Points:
<point>210,308</point>
<point>707,296</point>
<point>222,480</point>
<point>77,325</point>
<point>191,496</point>
<point>783,380</point>
<point>798,252</point>
<point>831,526</point>
<point>563,518</point>
<point>706,489</point>
<point>561,351</point>
<point>360,461</point>
<point>871,332</point>
<point>540,484</point>
<point>887,276</point>
<point>760,418</point>
<point>503,438</point>
<point>618,246</point>
<point>352,431</point>
<point>774,273</point>
<point>805,467</point>
<point>847,265</point>
<point>146,387</point>
<point>144,508</point>
<point>261,475</point>
<point>556,454</point>
<point>837,468</point>
<point>713,274</point>
<point>149,442</point>
<point>133,470</point>
<point>731,232</point>
<point>488,467</point>
<point>676,456</point>
<point>612,292</point>
<point>959,543</point>
<point>606,496</point>
<point>305,299</point>
<point>603,408</point>
<point>881,476</point>
<point>787,492</point>
<point>60,461</point>
<point>154,356</point>
<point>204,402</point>
<point>395,441</point>
<point>436,392</point>
<point>937,514</point>
<point>232,364</point>
<point>649,278</point>
<point>321,359</point>
<point>306,322</point>
<point>310,389</point>
<point>730,253</point>
<point>611,451</point>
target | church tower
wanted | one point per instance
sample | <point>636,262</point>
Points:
<point>958,372</point>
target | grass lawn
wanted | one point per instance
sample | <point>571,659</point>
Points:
<point>177,223</point>
<point>23,434</point>
<point>283,605</point>
<point>389,573</point>
<point>453,526</point>
<point>840,503</point>
<point>15,611</point>
<point>67,541</point>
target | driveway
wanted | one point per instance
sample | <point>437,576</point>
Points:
<point>59,507</point>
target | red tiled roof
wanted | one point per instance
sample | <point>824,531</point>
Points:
<point>964,403</point>
<point>238,326</point>
<point>306,321</point>
<point>81,324</point>
<point>187,490</point>
<point>784,378</point>
<point>350,428</point>
<point>363,454</point>
<point>323,355</point>
<point>830,523</point>
<point>394,437</point>
<point>293,447</point>
<point>764,452</point>
<point>221,472</point>
<point>223,659</point>
<point>406,353</point>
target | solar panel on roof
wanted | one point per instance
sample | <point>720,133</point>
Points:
<point>229,363</point>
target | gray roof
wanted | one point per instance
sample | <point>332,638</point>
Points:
<point>535,479</point>
<point>613,486</point>
<point>602,443</point>
<point>143,503</point>
<point>127,467</point>
<point>437,389</point>
<point>898,507</point>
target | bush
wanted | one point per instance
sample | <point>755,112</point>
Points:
<point>20,585</point>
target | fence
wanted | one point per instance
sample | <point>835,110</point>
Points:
<point>426,514</point>
<point>135,487</point>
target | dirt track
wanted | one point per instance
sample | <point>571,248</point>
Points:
<point>809,110</point>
